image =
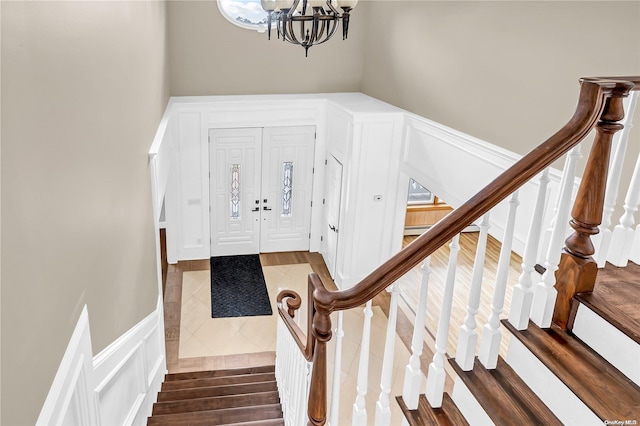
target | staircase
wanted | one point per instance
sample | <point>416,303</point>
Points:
<point>551,376</point>
<point>573,356</point>
<point>244,396</point>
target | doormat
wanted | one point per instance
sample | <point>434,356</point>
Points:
<point>238,288</point>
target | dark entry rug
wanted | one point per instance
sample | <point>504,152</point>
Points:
<point>238,288</point>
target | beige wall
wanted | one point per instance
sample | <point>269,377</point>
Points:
<point>506,71</point>
<point>211,56</point>
<point>84,85</point>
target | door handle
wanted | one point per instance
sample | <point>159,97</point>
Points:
<point>266,208</point>
<point>333,228</point>
<point>257,209</point>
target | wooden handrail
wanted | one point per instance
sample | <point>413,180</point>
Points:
<point>293,301</point>
<point>594,95</point>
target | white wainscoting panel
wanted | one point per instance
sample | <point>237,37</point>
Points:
<point>116,387</point>
<point>69,401</point>
<point>455,166</point>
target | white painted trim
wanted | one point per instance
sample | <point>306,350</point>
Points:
<point>70,392</point>
<point>425,142</point>
<point>468,405</point>
<point>553,393</point>
<point>137,357</point>
<point>612,344</point>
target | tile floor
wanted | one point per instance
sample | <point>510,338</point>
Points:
<point>203,337</point>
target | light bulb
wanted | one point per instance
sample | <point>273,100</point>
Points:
<point>268,5</point>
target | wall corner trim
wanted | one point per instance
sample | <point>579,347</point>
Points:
<point>117,386</point>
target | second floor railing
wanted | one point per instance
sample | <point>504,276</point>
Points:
<point>567,271</point>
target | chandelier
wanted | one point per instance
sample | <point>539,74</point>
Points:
<point>307,22</point>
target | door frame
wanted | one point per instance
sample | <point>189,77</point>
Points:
<point>317,183</point>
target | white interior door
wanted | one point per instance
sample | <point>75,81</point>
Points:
<point>287,184</point>
<point>333,188</point>
<point>235,169</point>
<point>261,187</point>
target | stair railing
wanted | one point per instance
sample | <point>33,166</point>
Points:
<point>617,253</point>
<point>600,106</point>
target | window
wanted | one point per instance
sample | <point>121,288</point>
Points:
<point>235,191</point>
<point>418,194</point>
<point>287,187</point>
<point>247,14</point>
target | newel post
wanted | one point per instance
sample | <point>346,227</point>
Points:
<point>577,269</point>
<point>317,408</point>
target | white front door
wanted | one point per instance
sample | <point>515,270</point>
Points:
<point>333,188</point>
<point>287,184</point>
<point>235,173</point>
<point>261,186</point>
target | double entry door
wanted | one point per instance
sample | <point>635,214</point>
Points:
<point>261,180</point>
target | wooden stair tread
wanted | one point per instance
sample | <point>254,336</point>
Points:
<point>218,381</point>
<point>208,392</point>
<point>414,417</point>
<point>219,373</point>
<point>504,396</point>
<point>227,416</point>
<point>447,415</point>
<point>216,403</point>
<point>449,409</point>
<point>615,298</point>
<point>266,422</point>
<point>608,392</point>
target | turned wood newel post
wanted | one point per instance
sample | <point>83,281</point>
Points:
<point>321,330</point>
<point>577,269</point>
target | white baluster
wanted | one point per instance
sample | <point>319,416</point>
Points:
<point>299,377</point>
<point>523,292</point>
<point>359,416</point>
<point>569,165</point>
<point>491,335</point>
<point>413,374</point>
<point>437,374</point>
<point>334,409</point>
<point>383,411</point>
<point>544,297</point>
<point>290,382</point>
<point>283,367</point>
<point>634,255</point>
<point>467,336</point>
<point>303,390</point>
<point>602,240</point>
<point>279,359</point>
<point>623,234</point>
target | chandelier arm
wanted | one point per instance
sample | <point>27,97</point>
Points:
<point>292,34</point>
<point>330,32</point>
<point>345,23</point>
<point>293,7</point>
<point>319,36</point>
<point>333,9</point>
